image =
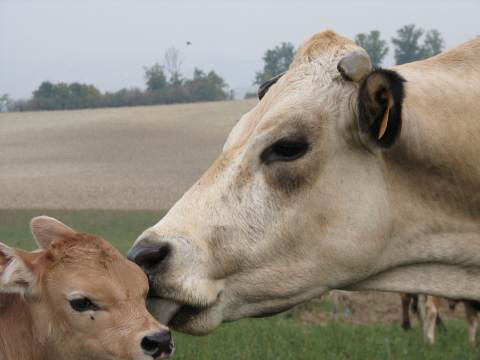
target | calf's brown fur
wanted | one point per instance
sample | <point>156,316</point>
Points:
<point>74,298</point>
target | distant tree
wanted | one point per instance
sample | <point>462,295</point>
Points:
<point>155,77</point>
<point>83,96</point>
<point>276,61</point>
<point>205,87</point>
<point>433,43</point>
<point>5,103</point>
<point>201,87</point>
<point>44,97</point>
<point>124,97</point>
<point>51,96</point>
<point>251,95</point>
<point>408,47</point>
<point>375,47</point>
<point>45,90</point>
<point>22,105</point>
<point>63,97</point>
<point>173,64</point>
<point>58,96</point>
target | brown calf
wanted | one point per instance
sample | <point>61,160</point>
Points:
<point>75,298</point>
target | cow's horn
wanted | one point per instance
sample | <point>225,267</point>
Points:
<point>355,66</point>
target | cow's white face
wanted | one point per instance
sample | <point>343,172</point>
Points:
<point>295,205</point>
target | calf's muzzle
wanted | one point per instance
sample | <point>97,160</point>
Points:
<point>158,345</point>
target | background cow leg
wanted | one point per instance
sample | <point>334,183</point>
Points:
<point>406,299</point>
<point>471,314</point>
<point>439,322</point>
<point>428,316</point>
<point>342,302</point>
<point>336,304</point>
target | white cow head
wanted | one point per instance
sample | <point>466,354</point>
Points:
<point>295,205</point>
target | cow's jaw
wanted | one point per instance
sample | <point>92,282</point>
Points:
<point>195,305</point>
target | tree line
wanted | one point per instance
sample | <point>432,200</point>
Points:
<point>165,84</point>
<point>410,44</point>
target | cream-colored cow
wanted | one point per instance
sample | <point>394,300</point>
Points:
<point>342,177</point>
<point>75,298</point>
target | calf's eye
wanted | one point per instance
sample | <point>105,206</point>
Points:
<point>82,304</point>
<point>285,150</point>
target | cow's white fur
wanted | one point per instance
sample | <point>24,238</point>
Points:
<point>404,219</point>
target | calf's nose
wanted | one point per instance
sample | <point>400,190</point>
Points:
<point>149,254</point>
<point>158,345</point>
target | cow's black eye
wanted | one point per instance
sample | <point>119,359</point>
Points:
<point>82,304</point>
<point>285,150</point>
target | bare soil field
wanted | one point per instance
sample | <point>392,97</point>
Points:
<point>123,158</point>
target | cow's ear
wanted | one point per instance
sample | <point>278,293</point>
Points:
<point>46,230</point>
<point>18,270</point>
<point>379,104</point>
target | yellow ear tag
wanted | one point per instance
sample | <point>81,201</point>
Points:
<point>383,125</point>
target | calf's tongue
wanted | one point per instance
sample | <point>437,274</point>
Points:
<point>162,310</point>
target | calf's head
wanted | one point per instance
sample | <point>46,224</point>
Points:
<point>295,204</point>
<point>85,299</point>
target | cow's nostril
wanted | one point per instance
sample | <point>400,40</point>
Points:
<point>149,256</point>
<point>157,344</point>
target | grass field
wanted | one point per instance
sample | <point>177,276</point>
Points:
<point>287,336</point>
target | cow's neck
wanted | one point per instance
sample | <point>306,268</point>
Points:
<point>433,178</point>
<point>433,173</point>
<point>17,335</point>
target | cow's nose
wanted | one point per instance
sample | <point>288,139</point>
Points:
<point>158,344</point>
<point>149,255</point>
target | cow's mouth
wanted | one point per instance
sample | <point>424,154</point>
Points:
<point>184,314</point>
<point>162,309</point>
<point>182,317</point>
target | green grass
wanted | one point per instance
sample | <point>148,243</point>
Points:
<point>279,337</point>
<point>120,227</point>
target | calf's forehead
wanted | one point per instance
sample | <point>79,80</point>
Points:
<point>129,277</point>
<point>96,268</point>
<point>118,281</point>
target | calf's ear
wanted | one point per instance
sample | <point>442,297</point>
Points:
<point>379,106</point>
<point>46,230</point>
<point>17,270</point>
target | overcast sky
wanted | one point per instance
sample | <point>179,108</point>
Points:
<point>107,42</point>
